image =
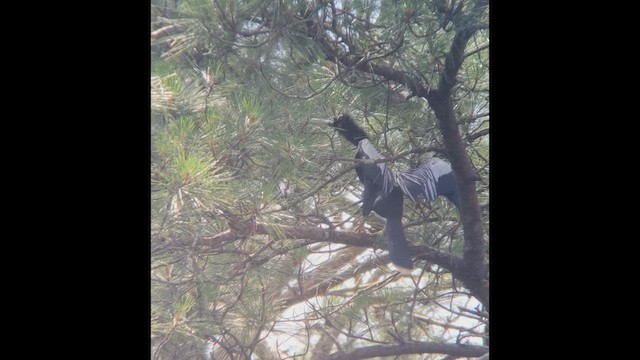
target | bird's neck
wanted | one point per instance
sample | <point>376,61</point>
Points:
<point>357,140</point>
<point>354,135</point>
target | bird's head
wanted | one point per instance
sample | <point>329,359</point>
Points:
<point>345,125</point>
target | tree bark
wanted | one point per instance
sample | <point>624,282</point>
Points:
<point>475,268</point>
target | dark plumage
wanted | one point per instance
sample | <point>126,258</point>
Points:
<point>384,190</point>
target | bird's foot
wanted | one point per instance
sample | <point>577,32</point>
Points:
<point>379,233</point>
<point>360,228</point>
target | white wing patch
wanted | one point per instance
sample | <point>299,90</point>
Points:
<point>426,176</point>
<point>438,167</point>
<point>365,146</point>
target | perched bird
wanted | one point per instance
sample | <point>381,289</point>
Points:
<point>384,190</point>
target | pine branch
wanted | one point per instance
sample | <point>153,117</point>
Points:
<point>416,347</point>
<point>451,262</point>
<point>479,133</point>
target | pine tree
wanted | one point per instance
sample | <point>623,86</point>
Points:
<point>253,209</point>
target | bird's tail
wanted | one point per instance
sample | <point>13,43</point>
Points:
<point>398,246</point>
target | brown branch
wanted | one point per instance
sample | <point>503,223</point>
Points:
<point>470,214</point>
<point>314,285</point>
<point>360,62</point>
<point>456,54</point>
<point>416,347</point>
<point>417,87</point>
<point>323,287</point>
<point>475,268</point>
<point>480,48</point>
<point>446,260</point>
<point>451,262</point>
<point>429,321</point>
<point>454,60</point>
<point>163,30</point>
<point>480,133</point>
<point>325,343</point>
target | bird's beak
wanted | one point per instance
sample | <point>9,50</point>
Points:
<point>316,121</point>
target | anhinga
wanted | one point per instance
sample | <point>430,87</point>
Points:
<point>384,190</point>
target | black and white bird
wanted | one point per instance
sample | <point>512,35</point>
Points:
<point>384,190</point>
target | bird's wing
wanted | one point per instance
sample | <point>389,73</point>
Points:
<point>378,174</point>
<point>429,180</point>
